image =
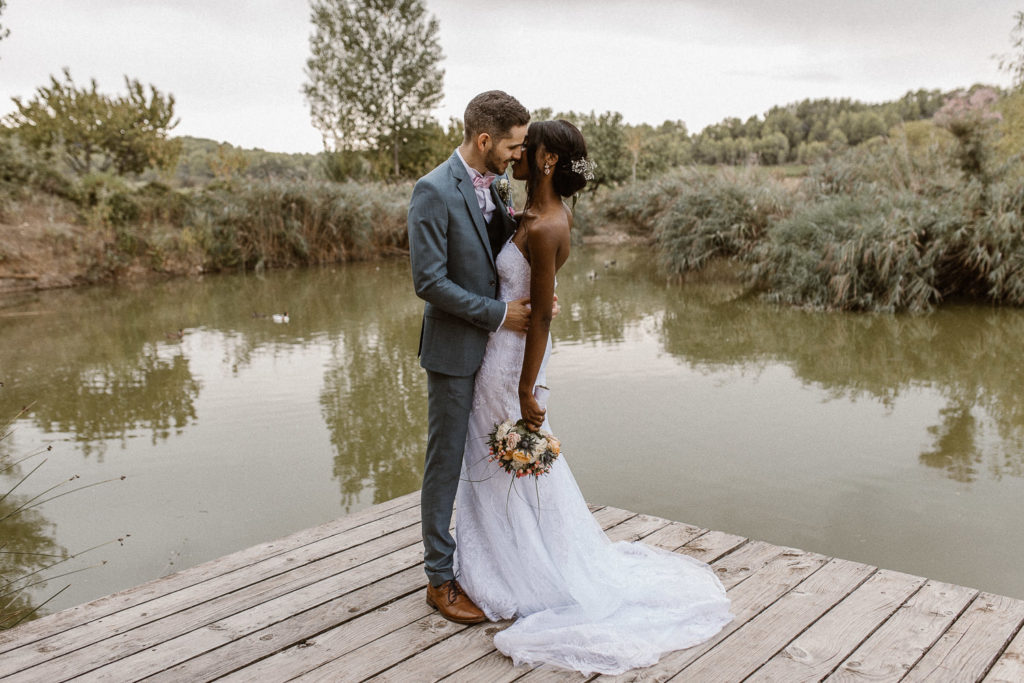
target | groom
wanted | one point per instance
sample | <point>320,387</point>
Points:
<point>457,223</point>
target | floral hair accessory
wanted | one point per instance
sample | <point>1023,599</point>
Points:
<point>585,167</point>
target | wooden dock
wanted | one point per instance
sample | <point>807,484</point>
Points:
<point>345,602</point>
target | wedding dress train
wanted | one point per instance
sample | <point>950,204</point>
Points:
<point>530,548</point>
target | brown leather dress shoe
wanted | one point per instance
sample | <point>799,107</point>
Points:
<point>453,604</point>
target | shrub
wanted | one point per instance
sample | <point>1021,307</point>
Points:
<point>300,223</point>
<point>719,214</point>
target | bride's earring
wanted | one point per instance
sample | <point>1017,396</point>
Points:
<point>547,168</point>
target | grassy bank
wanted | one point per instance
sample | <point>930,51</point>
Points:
<point>885,228</point>
<point>60,231</point>
<point>902,223</point>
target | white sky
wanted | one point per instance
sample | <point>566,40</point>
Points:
<point>236,67</point>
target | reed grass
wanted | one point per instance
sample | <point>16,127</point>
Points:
<point>233,224</point>
<point>276,225</point>
<point>721,214</point>
<point>29,558</point>
<point>885,227</point>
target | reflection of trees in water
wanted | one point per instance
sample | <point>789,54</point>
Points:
<point>99,363</point>
<point>374,395</point>
<point>147,392</point>
<point>27,545</point>
<point>102,367</point>
<point>98,366</point>
<point>374,404</point>
<point>968,354</point>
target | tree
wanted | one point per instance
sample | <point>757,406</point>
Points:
<point>655,150</point>
<point>1013,62</point>
<point>607,146</point>
<point>373,74</point>
<point>96,132</point>
<point>4,31</point>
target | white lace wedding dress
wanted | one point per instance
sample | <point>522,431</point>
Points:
<point>534,550</point>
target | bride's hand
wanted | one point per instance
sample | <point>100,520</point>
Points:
<point>532,413</point>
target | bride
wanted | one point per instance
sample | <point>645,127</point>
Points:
<point>530,548</point>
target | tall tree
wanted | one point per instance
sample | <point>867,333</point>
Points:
<point>96,132</point>
<point>373,72</point>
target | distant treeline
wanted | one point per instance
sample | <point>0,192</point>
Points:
<point>798,133</point>
<point>808,131</point>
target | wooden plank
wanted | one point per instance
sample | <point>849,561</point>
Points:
<point>344,601</point>
<point>238,645</point>
<point>140,627</point>
<point>759,639</point>
<point>819,650</point>
<point>307,611</point>
<point>713,545</point>
<point>608,517</point>
<point>382,653</point>
<point>434,663</point>
<point>82,614</point>
<point>757,574</point>
<point>898,643</point>
<point>549,674</point>
<point>975,640</point>
<point>636,528</point>
<point>1009,668</point>
<point>329,645</point>
<point>674,536</point>
<point>290,632</point>
<point>493,668</point>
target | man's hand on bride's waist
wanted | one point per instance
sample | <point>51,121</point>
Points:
<point>517,315</point>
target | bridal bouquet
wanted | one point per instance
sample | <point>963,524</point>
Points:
<point>521,451</point>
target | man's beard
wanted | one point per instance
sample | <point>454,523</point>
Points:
<point>492,163</point>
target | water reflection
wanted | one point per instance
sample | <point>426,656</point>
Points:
<point>373,395</point>
<point>27,546</point>
<point>99,365</point>
<point>99,374</point>
<point>272,427</point>
<point>604,291</point>
<point>964,353</point>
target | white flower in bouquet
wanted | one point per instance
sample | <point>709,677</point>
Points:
<point>520,451</point>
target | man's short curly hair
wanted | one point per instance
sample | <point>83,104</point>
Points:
<point>494,112</point>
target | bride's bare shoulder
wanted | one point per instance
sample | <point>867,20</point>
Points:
<point>549,225</point>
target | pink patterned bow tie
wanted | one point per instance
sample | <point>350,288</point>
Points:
<point>483,181</point>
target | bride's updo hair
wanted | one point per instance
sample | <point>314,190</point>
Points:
<point>564,139</point>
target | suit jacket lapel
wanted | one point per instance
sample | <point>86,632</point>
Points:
<point>465,186</point>
<point>507,223</point>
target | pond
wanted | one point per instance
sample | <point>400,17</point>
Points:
<point>890,440</point>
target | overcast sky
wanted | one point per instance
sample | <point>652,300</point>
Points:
<point>236,67</point>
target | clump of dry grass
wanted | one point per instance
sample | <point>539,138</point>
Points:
<point>880,228</point>
<point>29,557</point>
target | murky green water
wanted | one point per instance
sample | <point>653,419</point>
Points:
<point>890,440</point>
